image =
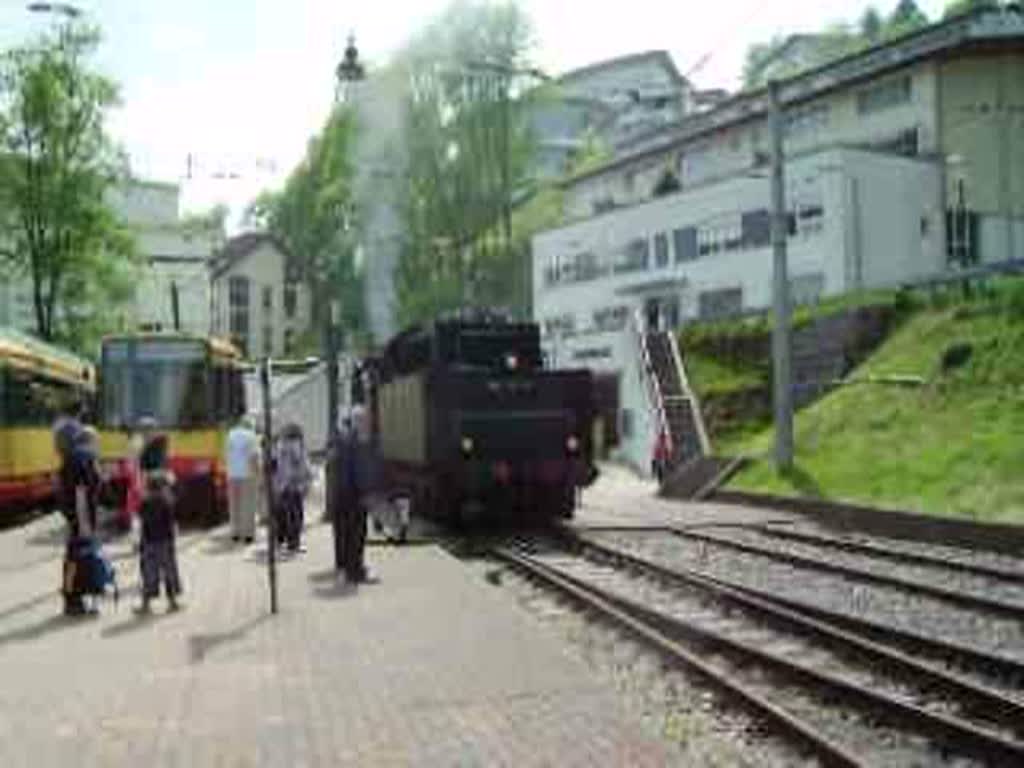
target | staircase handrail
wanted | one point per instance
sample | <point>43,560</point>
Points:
<point>647,373</point>
<point>695,409</point>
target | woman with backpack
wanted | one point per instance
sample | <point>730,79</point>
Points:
<point>292,478</point>
<point>85,570</point>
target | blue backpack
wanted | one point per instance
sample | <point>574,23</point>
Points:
<point>98,572</point>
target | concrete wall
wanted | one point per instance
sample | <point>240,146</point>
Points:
<point>982,124</point>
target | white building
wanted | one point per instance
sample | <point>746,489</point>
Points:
<point>258,298</point>
<point>172,256</point>
<point>613,100</point>
<point>900,160</point>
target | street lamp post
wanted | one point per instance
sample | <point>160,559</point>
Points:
<point>349,71</point>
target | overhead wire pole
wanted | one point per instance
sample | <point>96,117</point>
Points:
<point>782,343</point>
<point>267,485</point>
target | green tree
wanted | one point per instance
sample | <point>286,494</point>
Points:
<point>906,17</point>
<point>960,7</point>
<point>315,217</point>
<point>789,55</point>
<point>872,25</point>
<point>58,165</point>
<point>468,150</point>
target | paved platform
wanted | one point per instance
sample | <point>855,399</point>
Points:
<point>431,666</point>
<point>621,497</point>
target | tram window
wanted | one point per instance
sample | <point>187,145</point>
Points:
<point>27,400</point>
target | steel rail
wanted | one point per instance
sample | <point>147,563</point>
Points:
<point>962,599</point>
<point>984,702</point>
<point>952,733</point>
<point>610,608</point>
<point>892,553</point>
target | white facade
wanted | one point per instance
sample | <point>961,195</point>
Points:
<point>863,220</point>
<point>172,257</point>
<point>254,300</point>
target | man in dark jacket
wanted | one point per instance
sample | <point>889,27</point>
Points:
<point>355,473</point>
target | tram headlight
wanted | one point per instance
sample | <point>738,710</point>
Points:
<point>467,445</point>
<point>572,443</point>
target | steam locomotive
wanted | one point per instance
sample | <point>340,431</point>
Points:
<point>472,427</point>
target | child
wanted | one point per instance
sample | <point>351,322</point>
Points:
<point>292,477</point>
<point>158,558</point>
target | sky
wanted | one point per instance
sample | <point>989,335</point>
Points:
<point>241,85</point>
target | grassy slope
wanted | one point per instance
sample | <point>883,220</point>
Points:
<point>955,446</point>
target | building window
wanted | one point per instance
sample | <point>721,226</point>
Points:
<point>268,298</point>
<point>903,143</point>
<point>756,228</point>
<point>238,311</point>
<point>268,340</point>
<point>685,242</point>
<point>563,325</point>
<point>809,219</point>
<point>661,250</point>
<point>884,95</point>
<point>806,121</point>
<point>611,318</point>
<point>634,256</point>
<point>696,164</point>
<point>291,299</point>
<point>289,341</point>
<point>721,303</point>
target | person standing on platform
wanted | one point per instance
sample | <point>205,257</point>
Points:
<point>158,558</point>
<point>243,465</point>
<point>79,483</point>
<point>292,478</point>
<point>363,471</point>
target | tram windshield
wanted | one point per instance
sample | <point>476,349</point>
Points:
<point>167,381</point>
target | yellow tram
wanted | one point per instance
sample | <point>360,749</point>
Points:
<point>193,388</point>
<point>37,381</point>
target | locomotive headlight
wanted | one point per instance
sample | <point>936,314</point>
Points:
<point>467,445</point>
<point>572,443</point>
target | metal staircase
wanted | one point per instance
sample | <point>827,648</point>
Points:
<point>674,402</point>
<point>694,471</point>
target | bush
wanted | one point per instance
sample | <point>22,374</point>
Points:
<point>1013,299</point>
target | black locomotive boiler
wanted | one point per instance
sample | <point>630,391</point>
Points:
<point>471,425</point>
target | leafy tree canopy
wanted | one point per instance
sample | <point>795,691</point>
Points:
<point>788,55</point>
<point>58,163</point>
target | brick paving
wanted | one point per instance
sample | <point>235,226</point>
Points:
<point>430,666</point>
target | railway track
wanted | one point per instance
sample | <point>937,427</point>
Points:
<point>808,554</point>
<point>789,668</point>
